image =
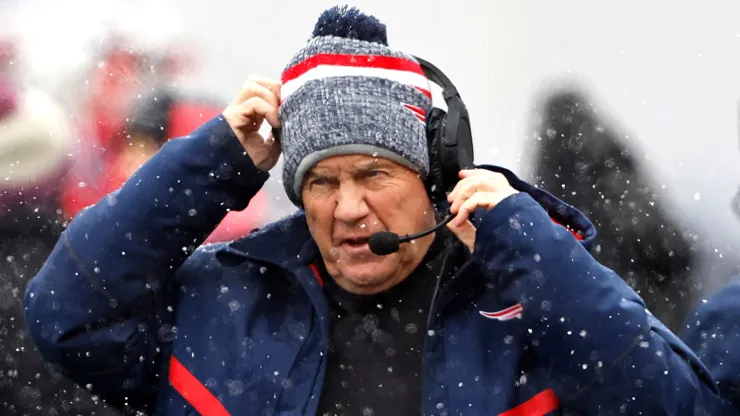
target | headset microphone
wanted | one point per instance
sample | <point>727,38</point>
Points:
<point>385,242</point>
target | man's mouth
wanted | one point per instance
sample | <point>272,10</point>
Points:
<point>357,242</point>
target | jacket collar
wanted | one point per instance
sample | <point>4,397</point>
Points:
<point>288,242</point>
<point>559,211</point>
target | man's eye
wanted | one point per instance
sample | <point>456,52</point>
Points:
<point>373,173</point>
<point>317,182</point>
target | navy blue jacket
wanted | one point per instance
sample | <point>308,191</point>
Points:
<point>131,307</point>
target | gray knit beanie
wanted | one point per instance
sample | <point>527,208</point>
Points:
<point>347,92</point>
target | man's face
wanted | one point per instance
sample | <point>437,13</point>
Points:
<point>347,199</point>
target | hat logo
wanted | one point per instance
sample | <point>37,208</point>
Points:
<point>418,112</point>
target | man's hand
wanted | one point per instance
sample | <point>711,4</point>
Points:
<point>478,188</point>
<point>258,100</point>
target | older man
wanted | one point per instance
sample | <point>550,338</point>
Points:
<point>505,312</point>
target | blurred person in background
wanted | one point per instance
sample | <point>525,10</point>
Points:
<point>35,140</point>
<point>135,104</point>
<point>115,52</point>
<point>120,75</point>
<point>585,159</point>
<point>167,114</point>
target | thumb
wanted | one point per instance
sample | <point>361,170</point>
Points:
<point>465,233</point>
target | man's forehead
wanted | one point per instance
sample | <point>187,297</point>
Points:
<point>350,163</point>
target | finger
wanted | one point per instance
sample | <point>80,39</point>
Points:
<point>459,199</point>
<point>255,109</point>
<point>484,180</point>
<point>465,173</point>
<point>269,83</point>
<point>465,188</point>
<point>462,184</point>
<point>465,233</point>
<point>252,89</point>
<point>479,200</point>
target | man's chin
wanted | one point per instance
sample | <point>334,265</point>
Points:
<point>365,279</point>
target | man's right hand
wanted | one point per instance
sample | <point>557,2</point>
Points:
<point>258,100</point>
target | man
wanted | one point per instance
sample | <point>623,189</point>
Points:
<point>512,315</point>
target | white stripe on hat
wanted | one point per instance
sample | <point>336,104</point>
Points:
<point>438,99</point>
<point>412,79</point>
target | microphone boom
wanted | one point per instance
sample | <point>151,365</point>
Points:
<point>385,242</point>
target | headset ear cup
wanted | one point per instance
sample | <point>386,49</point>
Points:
<point>449,138</point>
<point>465,150</point>
<point>435,177</point>
<point>455,151</point>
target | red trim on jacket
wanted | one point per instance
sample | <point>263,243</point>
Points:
<point>541,404</point>
<point>194,391</point>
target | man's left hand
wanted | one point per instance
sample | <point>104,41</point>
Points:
<point>478,188</point>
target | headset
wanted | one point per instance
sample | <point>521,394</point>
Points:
<point>450,147</point>
<point>449,137</point>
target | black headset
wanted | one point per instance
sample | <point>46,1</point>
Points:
<point>449,137</point>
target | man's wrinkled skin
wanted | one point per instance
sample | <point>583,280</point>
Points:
<point>347,199</point>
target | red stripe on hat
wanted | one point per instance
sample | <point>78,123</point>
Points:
<point>363,61</point>
<point>425,92</point>
<point>421,118</point>
<point>415,109</point>
<point>418,112</point>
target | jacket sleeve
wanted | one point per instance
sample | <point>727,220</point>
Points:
<point>603,352</point>
<point>101,306</point>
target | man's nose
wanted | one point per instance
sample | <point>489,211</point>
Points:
<point>351,205</point>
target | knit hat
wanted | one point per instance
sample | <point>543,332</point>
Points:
<point>347,92</point>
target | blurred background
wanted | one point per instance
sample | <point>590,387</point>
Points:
<point>627,110</point>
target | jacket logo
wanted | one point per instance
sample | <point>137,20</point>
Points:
<point>505,314</point>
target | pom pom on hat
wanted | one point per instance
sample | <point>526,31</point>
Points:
<point>351,23</point>
<point>348,92</point>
